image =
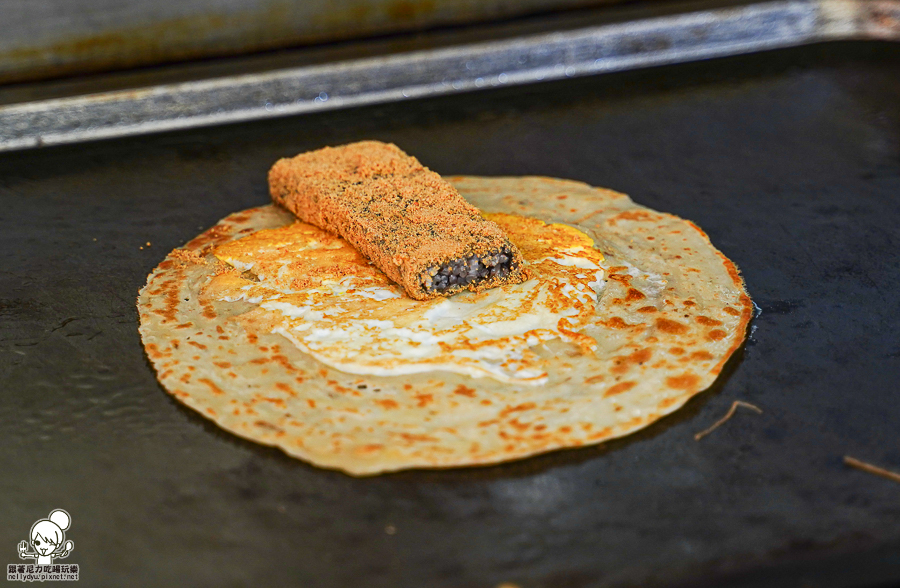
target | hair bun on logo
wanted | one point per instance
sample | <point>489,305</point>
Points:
<point>60,518</point>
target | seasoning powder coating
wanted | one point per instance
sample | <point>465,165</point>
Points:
<point>404,218</point>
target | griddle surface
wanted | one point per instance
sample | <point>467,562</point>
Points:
<point>789,160</point>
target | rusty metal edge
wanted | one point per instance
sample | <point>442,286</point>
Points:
<point>587,51</point>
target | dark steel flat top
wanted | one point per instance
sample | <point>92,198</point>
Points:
<point>789,160</point>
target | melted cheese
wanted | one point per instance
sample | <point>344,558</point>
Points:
<point>322,295</point>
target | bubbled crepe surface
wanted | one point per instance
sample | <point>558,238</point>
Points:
<point>659,343</point>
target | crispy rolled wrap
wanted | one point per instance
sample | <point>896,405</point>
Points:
<point>413,225</point>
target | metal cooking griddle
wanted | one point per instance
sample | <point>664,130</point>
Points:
<point>398,69</point>
<point>790,160</point>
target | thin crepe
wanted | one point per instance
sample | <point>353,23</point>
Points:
<point>671,313</point>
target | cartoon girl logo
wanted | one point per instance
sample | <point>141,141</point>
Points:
<point>48,539</point>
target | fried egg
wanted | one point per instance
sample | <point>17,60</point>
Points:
<point>317,291</point>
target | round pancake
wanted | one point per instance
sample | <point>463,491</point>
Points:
<point>671,312</point>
